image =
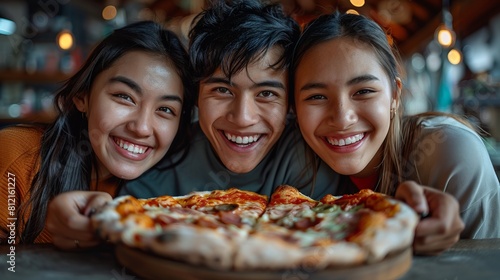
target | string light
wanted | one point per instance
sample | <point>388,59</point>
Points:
<point>65,40</point>
<point>454,56</point>
<point>358,3</point>
<point>444,33</point>
<point>445,36</point>
<point>109,12</point>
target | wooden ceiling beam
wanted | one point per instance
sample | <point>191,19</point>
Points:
<point>468,16</point>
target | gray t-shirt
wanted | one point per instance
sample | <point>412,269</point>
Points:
<point>449,156</point>
<point>201,170</point>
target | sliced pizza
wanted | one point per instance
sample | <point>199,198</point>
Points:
<point>233,206</point>
<point>241,230</point>
<point>378,223</point>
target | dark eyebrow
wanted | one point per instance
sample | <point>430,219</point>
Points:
<point>363,78</point>
<point>312,86</point>
<point>131,84</point>
<point>274,84</point>
<point>356,80</point>
<point>172,98</point>
<point>135,87</point>
<point>214,80</point>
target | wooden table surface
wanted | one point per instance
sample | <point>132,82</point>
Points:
<point>468,259</point>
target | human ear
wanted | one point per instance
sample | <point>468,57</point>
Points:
<point>397,95</point>
<point>81,102</point>
<point>396,98</point>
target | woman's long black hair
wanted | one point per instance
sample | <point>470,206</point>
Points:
<point>67,159</point>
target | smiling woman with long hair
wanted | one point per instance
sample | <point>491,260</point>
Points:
<point>126,108</point>
<point>347,94</point>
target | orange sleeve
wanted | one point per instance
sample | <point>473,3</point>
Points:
<point>18,165</point>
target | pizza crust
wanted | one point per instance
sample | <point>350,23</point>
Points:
<point>107,221</point>
<point>394,235</point>
<point>199,246</point>
<point>342,254</point>
<point>260,251</point>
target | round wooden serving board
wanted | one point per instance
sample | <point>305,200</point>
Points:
<point>150,266</point>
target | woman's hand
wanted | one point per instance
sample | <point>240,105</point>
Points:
<point>440,226</point>
<point>68,218</point>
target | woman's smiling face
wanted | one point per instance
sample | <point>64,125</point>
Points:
<point>343,103</point>
<point>133,112</point>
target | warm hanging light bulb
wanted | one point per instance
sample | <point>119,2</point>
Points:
<point>444,33</point>
<point>65,40</point>
<point>358,3</point>
<point>445,36</point>
<point>109,12</point>
<point>454,56</point>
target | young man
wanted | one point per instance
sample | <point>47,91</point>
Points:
<point>241,53</point>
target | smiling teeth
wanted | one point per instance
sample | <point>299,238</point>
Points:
<point>136,149</point>
<point>242,139</point>
<point>345,141</point>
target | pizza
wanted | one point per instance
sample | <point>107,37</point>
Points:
<point>241,230</point>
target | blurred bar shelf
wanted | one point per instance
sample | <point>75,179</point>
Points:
<point>37,77</point>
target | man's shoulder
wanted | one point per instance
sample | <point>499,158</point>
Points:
<point>199,146</point>
<point>291,137</point>
<point>179,174</point>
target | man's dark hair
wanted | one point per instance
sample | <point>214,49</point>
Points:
<point>233,34</point>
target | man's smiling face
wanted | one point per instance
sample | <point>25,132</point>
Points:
<point>244,116</point>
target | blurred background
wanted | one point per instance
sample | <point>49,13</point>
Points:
<point>450,49</point>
